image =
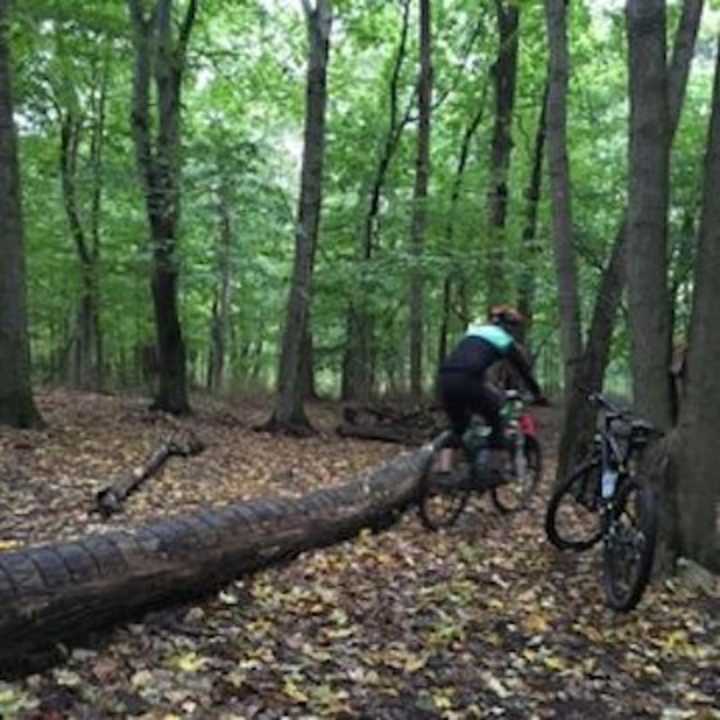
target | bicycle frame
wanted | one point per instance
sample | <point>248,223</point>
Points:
<point>613,456</point>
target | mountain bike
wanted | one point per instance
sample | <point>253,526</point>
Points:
<point>443,496</point>
<point>602,499</point>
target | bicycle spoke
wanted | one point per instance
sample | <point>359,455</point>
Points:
<point>630,546</point>
<point>573,521</point>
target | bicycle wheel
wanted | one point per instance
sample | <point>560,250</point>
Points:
<point>521,481</point>
<point>443,497</point>
<point>629,547</point>
<point>572,520</point>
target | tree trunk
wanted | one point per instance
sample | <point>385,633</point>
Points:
<point>579,423</point>
<point>696,458</point>
<point>649,168</point>
<point>221,304</point>
<point>85,353</point>
<point>505,76</point>
<point>419,219</point>
<point>289,414</point>
<point>457,274</point>
<point>560,190</point>
<point>530,247</point>
<point>357,363</point>
<point>17,407</point>
<point>158,54</point>
<point>58,593</point>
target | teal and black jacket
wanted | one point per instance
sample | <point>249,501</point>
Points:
<point>483,346</point>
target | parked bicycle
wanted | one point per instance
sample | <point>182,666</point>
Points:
<point>443,497</point>
<point>603,499</point>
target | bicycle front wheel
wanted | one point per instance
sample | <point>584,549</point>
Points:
<point>521,481</point>
<point>629,547</point>
<point>443,496</point>
<point>572,518</point>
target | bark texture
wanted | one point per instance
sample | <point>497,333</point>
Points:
<point>58,593</point>
<point>696,457</point>
<point>505,77</point>
<point>579,422</point>
<point>649,168</point>
<point>17,407</point>
<point>161,56</point>
<point>560,190</point>
<point>289,412</point>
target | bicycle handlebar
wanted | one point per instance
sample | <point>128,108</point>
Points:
<point>600,399</point>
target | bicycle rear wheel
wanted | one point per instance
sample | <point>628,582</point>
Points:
<point>629,547</point>
<point>522,481</point>
<point>442,497</point>
<point>572,518</point>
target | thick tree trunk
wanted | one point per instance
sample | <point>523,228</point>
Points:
<point>17,407</point>
<point>58,593</point>
<point>696,458</point>
<point>158,54</point>
<point>289,412</point>
<point>579,422</point>
<point>649,168</point>
<point>505,76</point>
<point>419,219</point>
<point>560,190</point>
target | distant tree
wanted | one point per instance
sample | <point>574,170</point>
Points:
<point>505,80</point>
<point>289,414</point>
<point>560,189</point>
<point>419,217</point>
<point>162,57</point>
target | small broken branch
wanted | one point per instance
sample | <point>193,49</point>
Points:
<point>110,499</point>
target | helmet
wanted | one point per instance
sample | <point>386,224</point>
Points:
<point>505,315</point>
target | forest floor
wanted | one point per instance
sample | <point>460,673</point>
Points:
<point>486,620</point>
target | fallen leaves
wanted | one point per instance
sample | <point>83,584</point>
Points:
<point>482,621</point>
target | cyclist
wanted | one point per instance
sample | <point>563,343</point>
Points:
<point>462,384</point>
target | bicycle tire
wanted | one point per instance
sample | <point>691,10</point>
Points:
<point>578,492</point>
<point>441,504</point>
<point>514,495</point>
<point>642,513</point>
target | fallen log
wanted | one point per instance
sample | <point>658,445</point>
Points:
<point>59,593</point>
<point>380,432</point>
<point>109,500</point>
<point>387,424</point>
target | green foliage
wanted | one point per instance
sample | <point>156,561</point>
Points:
<point>243,122</point>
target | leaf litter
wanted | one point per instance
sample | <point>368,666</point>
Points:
<point>485,620</point>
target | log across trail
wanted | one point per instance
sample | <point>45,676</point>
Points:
<point>59,593</point>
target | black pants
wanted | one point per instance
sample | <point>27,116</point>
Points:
<point>463,394</point>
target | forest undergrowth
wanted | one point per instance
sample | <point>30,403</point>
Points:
<point>486,620</point>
